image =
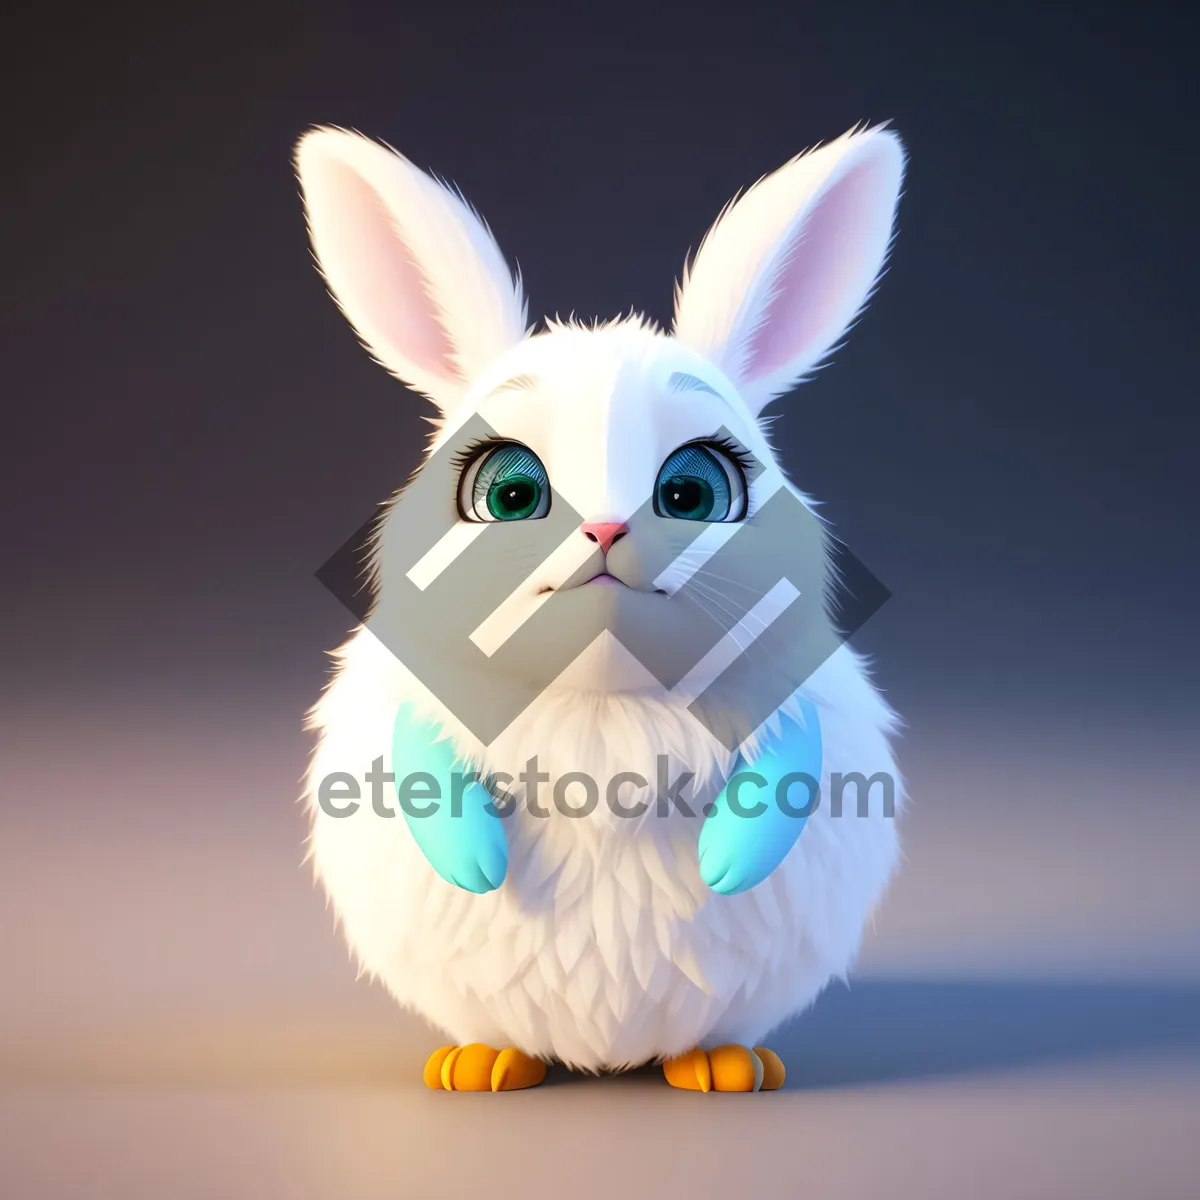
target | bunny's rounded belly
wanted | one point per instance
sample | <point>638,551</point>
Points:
<point>603,948</point>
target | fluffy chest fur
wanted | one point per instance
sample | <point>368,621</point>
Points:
<point>603,948</point>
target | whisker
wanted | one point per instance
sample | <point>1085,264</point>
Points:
<point>717,605</point>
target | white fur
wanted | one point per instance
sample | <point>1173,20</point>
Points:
<point>603,948</point>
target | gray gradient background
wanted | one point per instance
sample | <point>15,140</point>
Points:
<point>1007,442</point>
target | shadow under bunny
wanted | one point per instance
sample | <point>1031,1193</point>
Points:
<point>877,1032</point>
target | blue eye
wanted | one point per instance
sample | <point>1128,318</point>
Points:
<point>700,483</point>
<point>508,483</point>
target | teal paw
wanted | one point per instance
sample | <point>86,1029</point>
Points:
<point>748,832</point>
<point>452,817</point>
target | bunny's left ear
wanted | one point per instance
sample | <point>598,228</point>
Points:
<point>787,267</point>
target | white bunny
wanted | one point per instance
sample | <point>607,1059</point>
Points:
<point>603,946</point>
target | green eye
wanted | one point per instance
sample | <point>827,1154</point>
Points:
<point>514,499</point>
<point>507,483</point>
<point>686,497</point>
<point>700,483</point>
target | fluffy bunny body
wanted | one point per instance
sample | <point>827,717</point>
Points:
<point>604,946</point>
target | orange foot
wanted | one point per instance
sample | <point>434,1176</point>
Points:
<point>726,1069</point>
<point>479,1068</point>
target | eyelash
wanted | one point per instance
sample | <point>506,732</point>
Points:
<point>472,450</point>
<point>739,454</point>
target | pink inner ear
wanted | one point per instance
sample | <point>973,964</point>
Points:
<point>823,280</point>
<point>376,277</point>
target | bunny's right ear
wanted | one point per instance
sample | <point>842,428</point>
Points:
<point>414,269</point>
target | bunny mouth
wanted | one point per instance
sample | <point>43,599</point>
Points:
<point>607,579</point>
<point>603,579</point>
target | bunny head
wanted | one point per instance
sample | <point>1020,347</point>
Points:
<point>650,440</point>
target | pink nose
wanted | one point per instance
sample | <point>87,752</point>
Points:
<point>604,533</point>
